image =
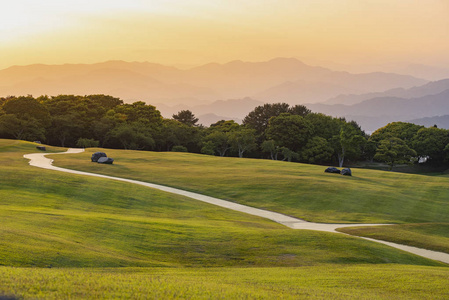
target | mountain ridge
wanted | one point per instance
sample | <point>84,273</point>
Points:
<point>209,82</point>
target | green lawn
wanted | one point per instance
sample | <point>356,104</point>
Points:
<point>433,236</point>
<point>322,282</point>
<point>72,236</point>
<point>300,190</point>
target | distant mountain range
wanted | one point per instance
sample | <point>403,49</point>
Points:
<point>278,80</point>
<point>429,100</point>
<point>371,99</point>
<point>440,121</point>
<point>431,88</point>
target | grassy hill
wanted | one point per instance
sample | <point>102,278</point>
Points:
<point>71,236</point>
<point>299,190</point>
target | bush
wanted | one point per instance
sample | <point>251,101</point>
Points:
<point>179,149</point>
<point>87,143</point>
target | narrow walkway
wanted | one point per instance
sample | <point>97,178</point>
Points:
<point>39,160</point>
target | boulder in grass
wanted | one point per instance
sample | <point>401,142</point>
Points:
<point>105,160</point>
<point>97,155</point>
<point>332,170</point>
<point>346,171</point>
<point>41,148</point>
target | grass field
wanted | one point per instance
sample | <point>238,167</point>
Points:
<point>300,190</point>
<point>433,236</point>
<point>71,236</point>
<point>321,282</point>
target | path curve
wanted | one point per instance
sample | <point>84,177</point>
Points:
<point>39,160</point>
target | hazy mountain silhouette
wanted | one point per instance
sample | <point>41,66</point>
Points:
<point>278,80</point>
<point>431,88</point>
<point>233,109</point>
<point>208,119</point>
<point>374,113</point>
<point>336,83</point>
<point>440,121</point>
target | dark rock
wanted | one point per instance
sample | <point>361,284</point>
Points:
<point>346,172</point>
<point>332,170</point>
<point>105,160</point>
<point>97,155</point>
<point>41,148</point>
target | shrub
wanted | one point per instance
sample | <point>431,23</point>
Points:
<point>87,143</point>
<point>179,149</point>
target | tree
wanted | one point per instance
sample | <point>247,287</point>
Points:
<point>394,151</point>
<point>317,150</point>
<point>139,111</point>
<point>271,147</point>
<point>173,133</point>
<point>21,128</point>
<point>299,110</point>
<point>26,108</point>
<point>186,117</point>
<point>288,154</point>
<point>66,129</point>
<point>87,143</point>
<point>348,143</point>
<point>324,126</point>
<point>217,140</point>
<point>402,130</point>
<point>134,136</point>
<point>430,142</point>
<point>242,140</point>
<point>290,131</point>
<point>258,118</point>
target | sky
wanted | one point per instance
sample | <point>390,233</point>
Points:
<point>192,32</point>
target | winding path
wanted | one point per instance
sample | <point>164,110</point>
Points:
<point>39,160</point>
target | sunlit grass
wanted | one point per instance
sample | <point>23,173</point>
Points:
<point>324,282</point>
<point>300,190</point>
<point>433,236</point>
<point>85,237</point>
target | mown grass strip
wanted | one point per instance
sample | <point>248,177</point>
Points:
<point>432,236</point>
<point>324,282</point>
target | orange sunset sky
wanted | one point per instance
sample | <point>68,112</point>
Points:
<point>353,32</point>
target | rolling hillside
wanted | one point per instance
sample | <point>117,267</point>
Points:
<point>72,236</point>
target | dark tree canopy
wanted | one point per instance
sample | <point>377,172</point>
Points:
<point>259,117</point>
<point>186,117</point>
<point>402,130</point>
<point>275,131</point>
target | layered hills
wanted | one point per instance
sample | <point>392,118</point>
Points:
<point>281,79</point>
<point>230,91</point>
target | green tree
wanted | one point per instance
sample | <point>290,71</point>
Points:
<point>394,151</point>
<point>242,140</point>
<point>431,142</point>
<point>174,133</point>
<point>288,154</point>
<point>87,143</point>
<point>348,143</point>
<point>66,129</point>
<point>270,146</point>
<point>134,136</point>
<point>290,131</point>
<point>258,118</point>
<point>217,140</point>
<point>402,130</point>
<point>317,150</point>
<point>26,128</point>
<point>186,117</point>
<point>299,110</point>
<point>27,108</point>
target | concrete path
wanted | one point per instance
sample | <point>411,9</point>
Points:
<point>39,160</point>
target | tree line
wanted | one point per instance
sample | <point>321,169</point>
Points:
<point>273,131</point>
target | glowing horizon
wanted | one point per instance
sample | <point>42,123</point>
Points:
<point>176,32</point>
